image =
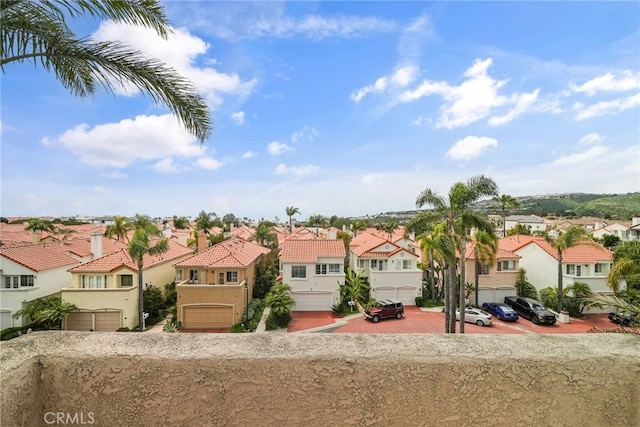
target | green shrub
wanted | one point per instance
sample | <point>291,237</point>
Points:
<point>170,294</point>
<point>281,320</point>
<point>123,329</point>
<point>549,297</point>
<point>419,301</point>
<point>173,326</point>
<point>238,328</point>
<point>154,304</point>
<point>271,324</point>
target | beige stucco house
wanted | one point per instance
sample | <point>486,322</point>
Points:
<point>494,281</point>
<point>315,271</point>
<point>105,290</point>
<point>215,284</point>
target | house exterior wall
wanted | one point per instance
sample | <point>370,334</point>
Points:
<point>542,268</point>
<point>124,300</point>
<point>495,279</point>
<point>46,283</point>
<point>210,276</point>
<point>315,282</point>
<point>228,295</point>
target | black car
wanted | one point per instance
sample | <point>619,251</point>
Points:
<point>624,319</point>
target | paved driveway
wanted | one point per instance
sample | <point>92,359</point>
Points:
<point>417,321</point>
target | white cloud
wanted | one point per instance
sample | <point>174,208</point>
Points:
<point>298,171</point>
<point>523,103</point>
<point>624,81</point>
<point>592,154</point>
<point>591,138</point>
<point>307,133</point>
<point>181,51</point>
<point>607,107</point>
<point>129,140</point>
<point>238,117</point>
<point>101,189</point>
<point>275,148</point>
<point>208,162</point>
<point>116,175</point>
<point>165,165</point>
<point>470,147</point>
<point>249,154</point>
<point>401,77</point>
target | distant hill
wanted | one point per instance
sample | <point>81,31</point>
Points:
<point>610,206</point>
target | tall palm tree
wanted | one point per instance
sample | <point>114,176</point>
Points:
<point>265,235</point>
<point>626,262</point>
<point>291,211</point>
<point>388,227</point>
<point>455,210</point>
<point>38,225</point>
<point>147,239</point>
<point>436,244</point>
<point>505,202</point>
<point>180,222</point>
<point>485,247</point>
<point>37,32</point>
<point>119,228</point>
<point>205,220</point>
<point>571,237</point>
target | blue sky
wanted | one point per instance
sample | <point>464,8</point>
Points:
<point>345,108</point>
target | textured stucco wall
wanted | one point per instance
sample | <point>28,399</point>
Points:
<point>321,379</point>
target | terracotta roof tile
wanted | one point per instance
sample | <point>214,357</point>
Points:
<point>588,251</point>
<point>234,252</point>
<point>310,250</point>
<point>41,257</point>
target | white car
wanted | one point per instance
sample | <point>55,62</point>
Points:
<point>477,316</point>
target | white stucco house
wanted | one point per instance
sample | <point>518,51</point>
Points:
<point>315,271</point>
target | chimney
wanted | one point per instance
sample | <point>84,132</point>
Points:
<point>35,237</point>
<point>96,245</point>
<point>203,242</point>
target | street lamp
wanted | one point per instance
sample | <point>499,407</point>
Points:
<point>246,306</point>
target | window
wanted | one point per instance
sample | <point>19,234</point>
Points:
<point>94,282</point>
<point>506,265</point>
<point>179,275</point>
<point>232,276</point>
<point>193,276</point>
<point>374,264</point>
<point>15,282</point>
<point>599,268</point>
<point>221,278</point>
<point>578,270</point>
<point>407,264</point>
<point>362,264</point>
<point>484,269</point>
<point>299,271</point>
<point>571,269</point>
<point>126,280</point>
<point>327,268</point>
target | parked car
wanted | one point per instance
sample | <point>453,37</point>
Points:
<point>531,309</point>
<point>624,318</point>
<point>477,316</point>
<point>385,309</point>
<point>501,310</point>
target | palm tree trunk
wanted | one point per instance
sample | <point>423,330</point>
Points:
<point>432,277</point>
<point>476,281</point>
<point>445,296</point>
<point>140,298</point>
<point>452,298</point>
<point>560,290</point>
<point>463,278</point>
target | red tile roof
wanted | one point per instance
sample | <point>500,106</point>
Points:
<point>41,257</point>
<point>232,253</point>
<point>500,254</point>
<point>309,251</point>
<point>587,252</point>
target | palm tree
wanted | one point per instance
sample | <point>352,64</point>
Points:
<point>456,212</point>
<point>504,203</point>
<point>626,262</point>
<point>47,312</point>
<point>317,221</point>
<point>205,221</point>
<point>119,228</point>
<point>436,244</point>
<point>37,32</point>
<point>281,302</point>
<point>38,225</point>
<point>571,237</point>
<point>265,235</point>
<point>147,239</point>
<point>291,211</point>
<point>64,232</point>
<point>181,223</point>
<point>388,227</point>
<point>485,248</point>
<point>355,286</point>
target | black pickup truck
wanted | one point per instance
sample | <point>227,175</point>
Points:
<point>531,309</point>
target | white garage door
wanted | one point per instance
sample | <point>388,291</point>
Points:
<point>501,293</point>
<point>313,301</point>
<point>207,317</point>
<point>5,319</point>
<point>408,295</point>
<point>385,293</point>
<point>485,295</point>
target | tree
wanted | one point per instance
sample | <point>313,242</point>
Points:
<point>610,241</point>
<point>317,221</point>
<point>281,302</point>
<point>265,235</point>
<point>38,225</point>
<point>147,240</point>
<point>120,228</point>
<point>456,212</point>
<point>356,287</point>
<point>523,287</point>
<point>47,313</point>
<point>266,273</point>
<point>521,229</point>
<point>485,247</point>
<point>437,246</point>
<point>571,237</point>
<point>626,264</point>
<point>37,32</point>
<point>64,232</point>
<point>291,211</point>
<point>505,202</point>
<point>205,221</point>
<point>181,223</point>
<point>228,220</point>
<point>388,227</point>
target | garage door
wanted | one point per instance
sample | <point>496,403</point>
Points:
<point>485,295</point>
<point>501,293</point>
<point>81,321</point>
<point>385,293</point>
<point>207,317</point>
<point>313,301</point>
<point>5,319</point>
<point>108,321</point>
<point>408,295</point>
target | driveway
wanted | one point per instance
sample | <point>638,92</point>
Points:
<point>417,321</point>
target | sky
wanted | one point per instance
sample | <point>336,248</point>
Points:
<point>336,108</point>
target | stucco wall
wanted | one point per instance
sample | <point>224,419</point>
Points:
<point>321,379</point>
